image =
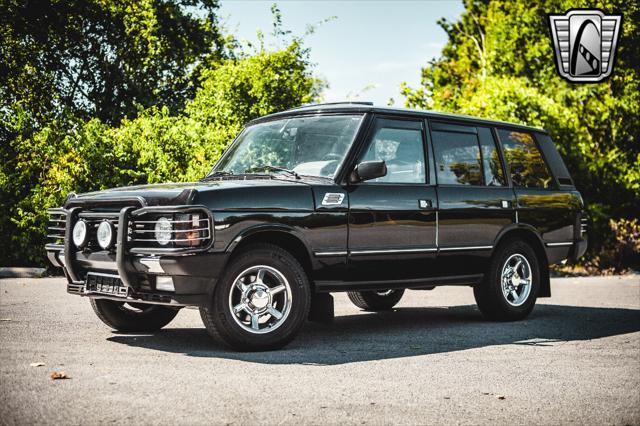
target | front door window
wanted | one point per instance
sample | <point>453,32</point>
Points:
<point>399,144</point>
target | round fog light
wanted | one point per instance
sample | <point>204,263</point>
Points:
<point>163,230</point>
<point>79,234</point>
<point>105,235</point>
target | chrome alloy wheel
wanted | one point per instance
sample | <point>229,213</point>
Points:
<point>516,279</point>
<point>260,299</point>
<point>385,292</point>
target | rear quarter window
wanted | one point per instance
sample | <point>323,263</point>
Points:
<point>554,159</point>
<point>526,164</point>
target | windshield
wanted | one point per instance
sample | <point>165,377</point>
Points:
<point>305,145</point>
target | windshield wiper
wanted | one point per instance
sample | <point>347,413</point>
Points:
<point>216,174</point>
<point>272,168</point>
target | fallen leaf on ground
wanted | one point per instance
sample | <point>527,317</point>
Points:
<point>500,396</point>
<point>58,375</point>
<point>37,364</point>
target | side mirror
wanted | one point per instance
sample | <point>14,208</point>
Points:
<point>368,170</point>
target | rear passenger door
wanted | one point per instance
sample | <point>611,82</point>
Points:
<point>475,201</point>
<point>541,201</point>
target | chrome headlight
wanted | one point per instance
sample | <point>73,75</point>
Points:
<point>105,234</point>
<point>163,230</point>
<point>79,233</point>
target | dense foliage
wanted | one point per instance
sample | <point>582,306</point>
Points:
<point>102,58</point>
<point>49,155</point>
<point>498,63</point>
<point>100,93</point>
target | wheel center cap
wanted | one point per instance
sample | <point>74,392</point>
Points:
<point>260,299</point>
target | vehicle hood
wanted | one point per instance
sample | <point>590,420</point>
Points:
<point>236,194</point>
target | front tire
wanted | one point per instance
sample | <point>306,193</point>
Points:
<point>261,301</point>
<point>511,285</point>
<point>375,301</point>
<point>141,317</point>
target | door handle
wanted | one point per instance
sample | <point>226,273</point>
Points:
<point>425,204</point>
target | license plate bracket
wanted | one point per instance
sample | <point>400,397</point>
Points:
<point>106,284</point>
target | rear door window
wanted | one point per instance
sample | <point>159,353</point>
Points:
<point>457,155</point>
<point>526,165</point>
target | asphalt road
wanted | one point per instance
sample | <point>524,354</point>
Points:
<point>433,360</point>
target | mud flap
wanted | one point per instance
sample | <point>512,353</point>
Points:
<point>321,308</point>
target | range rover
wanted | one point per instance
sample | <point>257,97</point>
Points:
<point>328,198</point>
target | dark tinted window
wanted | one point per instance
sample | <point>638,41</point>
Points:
<point>554,159</point>
<point>457,158</point>
<point>526,164</point>
<point>400,145</point>
<point>493,173</point>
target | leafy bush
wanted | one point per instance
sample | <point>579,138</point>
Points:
<point>42,165</point>
<point>620,251</point>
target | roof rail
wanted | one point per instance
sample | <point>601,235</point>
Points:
<point>332,103</point>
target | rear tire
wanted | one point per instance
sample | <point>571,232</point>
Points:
<point>123,316</point>
<point>510,288</point>
<point>375,301</point>
<point>261,301</point>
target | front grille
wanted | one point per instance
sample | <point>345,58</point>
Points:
<point>55,228</point>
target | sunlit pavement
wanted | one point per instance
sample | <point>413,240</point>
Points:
<point>433,360</point>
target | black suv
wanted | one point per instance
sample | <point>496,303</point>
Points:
<point>325,198</point>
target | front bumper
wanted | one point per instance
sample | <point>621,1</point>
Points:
<point>193,276</point>
<point>176,276</point>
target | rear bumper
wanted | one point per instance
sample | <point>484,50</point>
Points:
<point>578,250</point>
<point>570,250</point>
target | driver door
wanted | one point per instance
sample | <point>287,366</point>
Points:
<point>392,219</point>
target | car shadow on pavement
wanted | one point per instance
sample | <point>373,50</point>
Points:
<point>406,332</point>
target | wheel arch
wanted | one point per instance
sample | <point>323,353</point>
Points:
<point>531,236</point>
<point>280,235</point>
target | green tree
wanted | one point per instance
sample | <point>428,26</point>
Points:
<point>498,63</point>
<point>103,58</point>
<point>156,146</point>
